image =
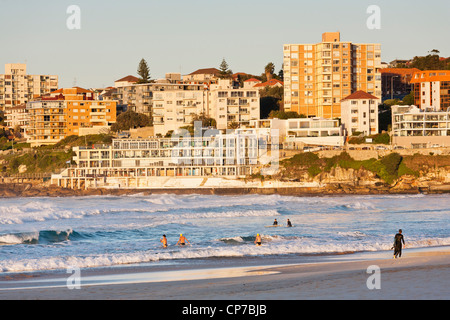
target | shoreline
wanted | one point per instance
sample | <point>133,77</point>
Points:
<point>30,190</point>
<point>422,273</point>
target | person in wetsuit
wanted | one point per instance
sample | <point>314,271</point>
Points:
<point>289,224</point>
<point>398,241</point>
<point>275,223</point>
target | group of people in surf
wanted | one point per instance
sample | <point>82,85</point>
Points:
<point>399,241</point>
<point>182,241</point>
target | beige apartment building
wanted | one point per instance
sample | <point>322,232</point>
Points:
<point>318,76</point>
<point>17,87</point>
<point>228,105</point>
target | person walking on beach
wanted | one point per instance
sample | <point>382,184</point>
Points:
<point>164,241</point>
<point>182,241</point>
<point>289,224</point>
<point>398,241</point>
<point>258,240</point>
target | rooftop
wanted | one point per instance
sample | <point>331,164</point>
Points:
<point>360,95</point>
<point>128,79</point>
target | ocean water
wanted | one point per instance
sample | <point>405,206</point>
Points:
<point>39,234</point>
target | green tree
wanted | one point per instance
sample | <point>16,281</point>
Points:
<point>225,72</point>
<point>206,120</point>
<point>269,69</point>
<point>130,119</point>
<point>285,115</point>
<point>143,71</point>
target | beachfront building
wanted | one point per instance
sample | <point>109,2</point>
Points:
<point>297,133</point>
<point>147,163</point>
<point>65,112</point>
<point>432,89</point>
<point>413,127</point>
<point>318,76</point>
<point>359,113</point>
<point>17,87</point>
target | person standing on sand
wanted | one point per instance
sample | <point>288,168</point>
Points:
<point>182,241</point>
<point>258,240</point>
<point>164,241</point>
<point>398,241</point>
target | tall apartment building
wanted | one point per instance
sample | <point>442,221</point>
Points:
<point>432,89</point>
<point>16,87</point>
<point>318,76</point>
<point>66,112</point>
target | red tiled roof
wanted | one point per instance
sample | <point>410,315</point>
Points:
<point>252,80</point>
<point>129,79</point>
<point>400,71</point>
<point>270,83</point>
<point>358,95</point>
<point>79,90</point>
<point>206,71</point>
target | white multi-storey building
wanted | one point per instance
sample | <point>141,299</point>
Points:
<point>359,113</point>
<point>16,87</point>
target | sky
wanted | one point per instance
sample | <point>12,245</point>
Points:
<point>186,35</point>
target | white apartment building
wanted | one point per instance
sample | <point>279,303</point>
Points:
<point>17,117</point>
<point>413,127</point>
<point>297,132</point>
<point>176,108</point>
<point>359,113</point>
<point>231,106</point>
<point>16,87</point>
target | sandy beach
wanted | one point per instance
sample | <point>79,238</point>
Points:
<point>421,274</point>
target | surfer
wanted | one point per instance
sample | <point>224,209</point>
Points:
<point>398,240</point>
<point>288,223</point>
<point>164,241</point>
<point>182,241</point>
<point>275,223</point>
<point>258,240</point>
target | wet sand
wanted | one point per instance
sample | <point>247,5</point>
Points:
<point>421,274</point>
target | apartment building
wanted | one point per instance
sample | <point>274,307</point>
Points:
<point>139,96</point>
<point>65,112</point>
<point>413,127</point>
<point>148,163</point>
<point>17,117</point>
<point>296,133</point>
<point>231,105</point>
<point>396,82</point>
<point>359,113</point>
<point>318,76</point>
<point>174,109</point>
<point>16,87</point>
<point>432,89</point>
